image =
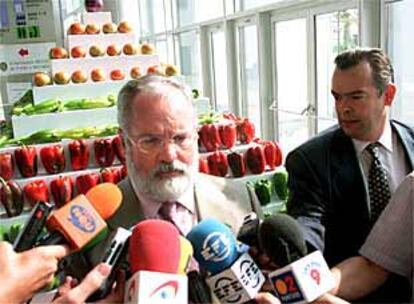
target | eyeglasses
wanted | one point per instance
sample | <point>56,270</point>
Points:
<point>153,143</point>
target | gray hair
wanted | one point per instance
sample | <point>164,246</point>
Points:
<point>382,71</point>
<point>150,83</point>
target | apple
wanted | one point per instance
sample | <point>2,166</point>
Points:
<point>61,77</point>
<point>147,49</point>
<point>109,28</point>
<point>113,50</point>
<point>124,27</point>
<point>171,70</point>
<point>96,51</point>
<point>92,29</point>
<point>117,74</point>
<point>58,53</point>
<point>41,79</point>
<point>130,49</point>
<point>78,52</point>
<point>155,69</point>
<point>98,75</point>
<point>135,72</point>
<point>77,29</point>
<point>79,76</point>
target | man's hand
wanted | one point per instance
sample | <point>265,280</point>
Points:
<point>265,265</point>
<point>266,298</point>
<point>22,274</point>
<point>73,293</point>
<point>330,299</point>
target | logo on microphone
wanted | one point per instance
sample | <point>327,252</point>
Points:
<point>166,291</point>
<point>229,289</point>
<point>82,219</point>
<point>216,247</point>
<point>313,270</point>
<point>250,273</point>
<point>287,287</point>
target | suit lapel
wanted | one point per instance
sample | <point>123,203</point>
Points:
<point>347,181</point>
<point>406,136</point>
<point>130,212</point>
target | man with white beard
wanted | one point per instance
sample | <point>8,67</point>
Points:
<point>158,125</point>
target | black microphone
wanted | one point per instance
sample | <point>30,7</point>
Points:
<point>304,277</point>
<point>198,290</point>
<point>282,239</point>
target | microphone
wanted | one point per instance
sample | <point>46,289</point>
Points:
<point>155,257</point>
<point>235,277</point>
<point>33,227</point>
<point>80,223</point>
<point>186,253</point>
<point>198,291</point>
<point>304,277</point>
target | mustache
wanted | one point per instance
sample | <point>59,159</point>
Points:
<point>176,165</point>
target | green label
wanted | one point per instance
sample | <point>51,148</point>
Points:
<point>25,32</point>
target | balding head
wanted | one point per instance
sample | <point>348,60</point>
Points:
<point>162,88</point>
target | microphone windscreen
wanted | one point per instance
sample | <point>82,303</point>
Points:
<point>154,246</point>
<point>105,198</point>
<point>186,252</point>
<point>281,238</point>
<point>215,247</point>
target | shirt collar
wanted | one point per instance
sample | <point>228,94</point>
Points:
<point>150,207</point>
<point>385,140</point>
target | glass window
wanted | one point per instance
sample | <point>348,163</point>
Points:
<point>242,5</point>
<point>249,74</point>
<point>189,58</point>
<point>400,49</point>
<point>335,33</point>
<point>219,69</point>
<point>152,16</point>
<point>194,11</point>
<point>292,82</point>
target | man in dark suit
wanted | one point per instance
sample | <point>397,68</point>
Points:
<point>333,193</point>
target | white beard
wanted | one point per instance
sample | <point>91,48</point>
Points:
<point>163,189</point>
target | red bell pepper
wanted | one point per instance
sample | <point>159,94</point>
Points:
<point>26,160</point>
<point>255,159</point>
<point>6,165</point>
<point>79,154</point>
<point>217,163</point>
<point>104,152</point>
<point>203,166</point>
<point>124,172</point>
<point>116,174</point>
<point>245,131</point>
<point>228,135</point>
<point>11,196</point>
<point>119,148</point>
<point>231,116</point>
<point>210,137</point>
<point>107,176</point>
<point>53,158</point>
<point>86,181</point>
<point>273,154</point>
<point>36,191</point>
<point>236,164</point>
<point>62,189</point>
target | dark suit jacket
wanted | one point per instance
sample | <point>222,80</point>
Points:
<point>327,192</point>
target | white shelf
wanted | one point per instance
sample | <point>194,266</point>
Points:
<point>101,39</point>
<point>107,63</point>
<point>26,125</point>
<point>81,90</point>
